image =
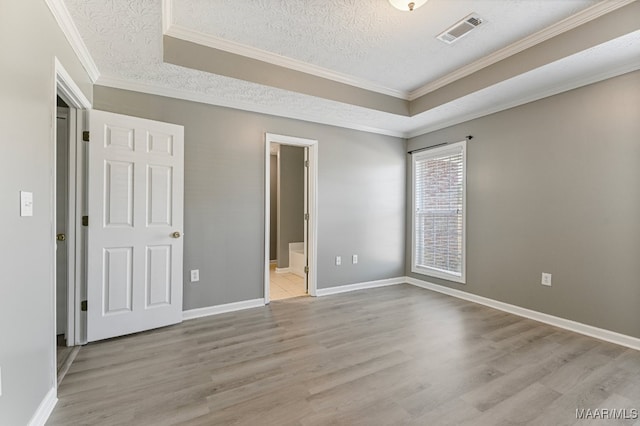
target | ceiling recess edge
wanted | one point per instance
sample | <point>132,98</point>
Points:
<point>197,37</point>
<point>580,18</point>
<point>574,21</point>
<point>152,89</point>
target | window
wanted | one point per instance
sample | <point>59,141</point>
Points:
<point>439,177</point>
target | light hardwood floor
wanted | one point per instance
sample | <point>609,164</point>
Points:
<point>285,286</point>
<point>395,355</point>
<point>65,356</point>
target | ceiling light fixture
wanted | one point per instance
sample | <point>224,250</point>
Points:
<point>407,5</point>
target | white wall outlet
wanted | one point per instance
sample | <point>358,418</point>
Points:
<point>338,260</point>
<point>546,279</point>
<point>195,275</point>
<point>354,259</point>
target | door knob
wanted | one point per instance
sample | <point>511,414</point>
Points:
<point>176,234</point>
<point>61,237</point>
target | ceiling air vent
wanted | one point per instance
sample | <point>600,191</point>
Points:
<point>460,29</point>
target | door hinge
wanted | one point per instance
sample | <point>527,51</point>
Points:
<point>306,269</point>
<point>85,136</point>
<point>85,220</point>
<point>306,216</point>
<point>83,306</point>
<point>306,163</point>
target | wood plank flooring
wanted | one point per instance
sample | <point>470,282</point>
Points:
<point>65,355</point>
<point>397,355</point>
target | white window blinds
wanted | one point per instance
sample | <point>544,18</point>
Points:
<point>439,211</point>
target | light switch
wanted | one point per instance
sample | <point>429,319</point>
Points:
<point>26,203</point>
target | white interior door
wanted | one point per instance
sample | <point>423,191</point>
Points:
<point>136,181</point>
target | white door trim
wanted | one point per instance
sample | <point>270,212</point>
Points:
<point>68,90</point>
<point>313,206</point>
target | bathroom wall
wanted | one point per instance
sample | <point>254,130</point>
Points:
<point>291,200</point>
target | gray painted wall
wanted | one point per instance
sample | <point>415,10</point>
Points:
<point>291,200</point>
<point>553,187</point>
<point>273,214</point>
<point>361,196</point>
<point>29,40</point>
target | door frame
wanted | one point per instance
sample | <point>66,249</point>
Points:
<point>312,146</point>
<point>79,104</point>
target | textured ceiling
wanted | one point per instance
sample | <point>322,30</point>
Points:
<point>370,39</point>
<point>364,38</point>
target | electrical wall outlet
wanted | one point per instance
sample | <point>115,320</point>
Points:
<point>338,260</point>
<point>546,279</point>
<point>354,259</point>
<point>195,275</point>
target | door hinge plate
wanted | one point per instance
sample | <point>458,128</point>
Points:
<point>83,306</point>
<point>306,163</point>
<point>306,269</point>
<point>85,136</point>
<point>306,216</point>
<point>85,220</point>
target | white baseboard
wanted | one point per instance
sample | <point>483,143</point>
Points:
<point>283,270</point>
<point>45,409</point>
<point>221,309</point>
<point>360,286</point>
<point>587,330</point>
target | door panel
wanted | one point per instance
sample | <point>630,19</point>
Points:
<point>158,276</point>
<point>159,187</point>
<point>118,195</point>
<point>135,207</point>
<point>118,277</point>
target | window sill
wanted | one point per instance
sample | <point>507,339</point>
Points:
<point>439,274</point>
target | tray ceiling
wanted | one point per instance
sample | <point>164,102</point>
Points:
<point>365,41</point>
<point>369,39</point>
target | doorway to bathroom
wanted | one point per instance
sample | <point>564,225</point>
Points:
<point>290,227</point>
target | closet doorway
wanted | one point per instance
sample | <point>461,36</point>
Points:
<point>290,224</point>
<point>70,108</point>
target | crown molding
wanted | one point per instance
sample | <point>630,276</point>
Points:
<point>152,89</point>
<point>66,24</point>
<point>197,37</point>
<point>561,88</point>
<point>167,15</point>
<point>589,14</point>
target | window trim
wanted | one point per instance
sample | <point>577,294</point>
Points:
<point>432,272</point>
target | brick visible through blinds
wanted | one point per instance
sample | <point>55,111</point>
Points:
<point>438,197</point>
